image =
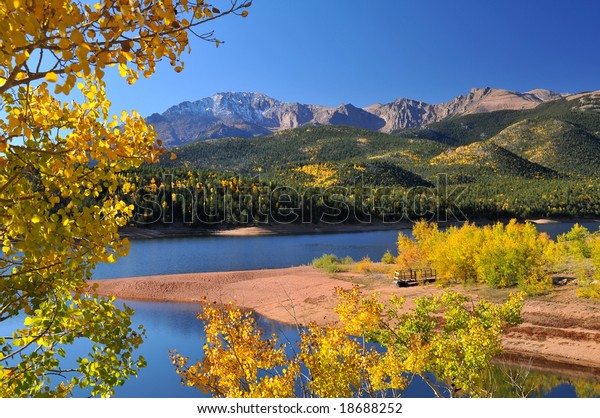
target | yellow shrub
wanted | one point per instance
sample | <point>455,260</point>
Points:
<point>365,266</point>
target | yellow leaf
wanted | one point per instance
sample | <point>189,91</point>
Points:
<point>77,37</point>
<point>122,70</point>
<point>129,56</point>
<point>36,219</point>
<point>244,13</point>
<point>51,77</point>
<point>173,156</point>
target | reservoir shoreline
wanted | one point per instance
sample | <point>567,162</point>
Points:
<point>560,330</point>
<point>183,231</point>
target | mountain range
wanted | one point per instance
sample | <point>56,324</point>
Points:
<point>553,139</point>
<point>246,115</point>
<point>509,154</point>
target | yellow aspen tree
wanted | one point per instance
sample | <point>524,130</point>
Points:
<point>238,362</point>
<point>59,165</point>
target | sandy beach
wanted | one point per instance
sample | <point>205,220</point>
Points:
<point>560,330</point>
<point>301,294</point>
<point>181,230</point>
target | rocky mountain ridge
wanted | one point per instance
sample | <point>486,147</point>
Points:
<point>256,114</point>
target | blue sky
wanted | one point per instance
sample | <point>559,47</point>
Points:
<point>348,51</point>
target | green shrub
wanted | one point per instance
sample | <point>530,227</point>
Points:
<point>388,258</point>
<point>589,279</point>
<point>515,254</point>
<point>589,289</point>
<point>576,242</point>
<point>327,262</point>
<point>346,261</point>
<point>536,283</point>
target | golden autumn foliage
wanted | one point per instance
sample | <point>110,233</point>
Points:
<point>81,39</point>
<point>60,165</point>
<point>581,248</point>
<point>365,265</point>
<point>237,361</point>
<point>321,175</point>
<point>342,367</point>
<point>504,255</point>
<point>388,258</point>
<point>359,315</point>
<point>449,337</point>
<point>589,278</point>
<point>499,255</point>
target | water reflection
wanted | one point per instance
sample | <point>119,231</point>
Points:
<point>521,381</point>
<point>174,326</point>
<point>171,326</point>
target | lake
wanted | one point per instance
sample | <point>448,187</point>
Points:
<point>210,253</point>
<point>171,325</point>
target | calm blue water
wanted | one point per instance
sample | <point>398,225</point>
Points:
<point>207,254</point>
<point>557,228</point>
<point>174,326</point>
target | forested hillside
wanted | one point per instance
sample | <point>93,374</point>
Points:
<point>535,162</point>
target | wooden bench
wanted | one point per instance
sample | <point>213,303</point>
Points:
<point>412,277</point>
